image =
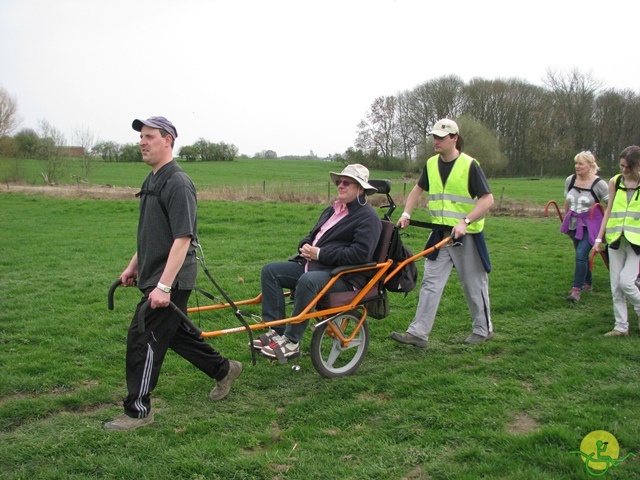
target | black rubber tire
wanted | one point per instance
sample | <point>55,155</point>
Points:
<point>329,357</point>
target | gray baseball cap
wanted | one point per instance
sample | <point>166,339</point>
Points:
<point>156,122</point>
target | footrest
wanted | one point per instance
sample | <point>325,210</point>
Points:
<point>280,356</point>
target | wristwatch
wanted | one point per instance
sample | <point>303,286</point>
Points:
<point>163,287</point>
<point>467,221</point>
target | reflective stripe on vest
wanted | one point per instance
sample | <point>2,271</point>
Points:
<point>625,217</point>
<point>450,203</point>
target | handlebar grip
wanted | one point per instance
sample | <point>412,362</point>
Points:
<point>112,289</point>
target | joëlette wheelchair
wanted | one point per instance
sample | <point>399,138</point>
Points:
<point>340,337</point>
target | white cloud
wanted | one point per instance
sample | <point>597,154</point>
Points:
<point>290,76</point>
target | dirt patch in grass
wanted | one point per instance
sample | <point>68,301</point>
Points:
<point>109,192</point>
<point>522,424</point>
<point>99,192</point>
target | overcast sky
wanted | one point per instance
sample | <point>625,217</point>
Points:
<point>292,76</point>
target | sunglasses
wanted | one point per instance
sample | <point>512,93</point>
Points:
<point>346,183</point>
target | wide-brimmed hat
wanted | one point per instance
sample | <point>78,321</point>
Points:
<point>359,173</point>
<point>156,122</point>
<point>444,128</point>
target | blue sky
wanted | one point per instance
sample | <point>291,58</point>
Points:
<point>290,76</point>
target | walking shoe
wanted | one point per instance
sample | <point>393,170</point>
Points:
<point>264,339</point>
<point>616,333</point>
<point>125,422</point>
<point>475,338</point>
<point>221,390</point>
<point>587,287</point>
<point>409,339</point>
<point>281,348</point>
<point>574,296</point>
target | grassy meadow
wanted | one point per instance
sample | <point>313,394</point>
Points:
<point>517,407</point>
<point>248,179</point>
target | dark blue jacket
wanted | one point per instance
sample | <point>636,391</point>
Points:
<point>351,241</point>
<point>481,245</point>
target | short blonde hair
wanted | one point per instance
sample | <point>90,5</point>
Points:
<point>588,158</point>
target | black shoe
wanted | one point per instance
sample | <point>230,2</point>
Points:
<point>409,339</point>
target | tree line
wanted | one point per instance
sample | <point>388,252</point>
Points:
<point>514,128</point>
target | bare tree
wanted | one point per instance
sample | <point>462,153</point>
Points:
<point>539,129</point>
<point>51,143</point>
<point>446,96</point>
<point>84,137</point>
<point>9,119</point>
<point>376,132</point>
<point>408,135</point>
<point>617,125</point>
<point>574,94</point>
<point>421,110</point>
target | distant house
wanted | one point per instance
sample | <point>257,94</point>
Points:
<point>73,151</point>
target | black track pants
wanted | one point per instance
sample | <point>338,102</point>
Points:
<point>146,352</point>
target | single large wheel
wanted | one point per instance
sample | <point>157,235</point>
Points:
<point>330,356</point>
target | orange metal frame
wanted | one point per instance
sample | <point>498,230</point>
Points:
<point>308,313</point>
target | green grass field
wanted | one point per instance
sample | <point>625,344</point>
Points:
<point>513,408</point>
<point>247,178</point>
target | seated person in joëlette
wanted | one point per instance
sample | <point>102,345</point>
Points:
<point>346,233</point>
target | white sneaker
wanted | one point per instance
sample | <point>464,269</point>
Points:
<point>264,339</point>
<point>281,348</point>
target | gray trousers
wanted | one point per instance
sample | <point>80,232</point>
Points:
<point>475,284</point>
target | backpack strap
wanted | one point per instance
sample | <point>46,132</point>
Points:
<point>156,192</point>
<point>173,168</point>
<point>572,183</point>
<point>593,191</point>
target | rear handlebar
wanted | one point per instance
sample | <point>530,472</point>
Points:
<point>112,290</point>
<point>142,313</point>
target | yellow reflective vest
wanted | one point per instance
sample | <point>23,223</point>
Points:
<point>625,216</point>
<point>450,203</point>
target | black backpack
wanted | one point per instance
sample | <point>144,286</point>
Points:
<point>590,189</point>
<point>405,280</point>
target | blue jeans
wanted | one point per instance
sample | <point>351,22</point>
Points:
<point>582,274</point>
<point>277,276</point>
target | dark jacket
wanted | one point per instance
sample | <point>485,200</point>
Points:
<point>481,245</point>
<point>352,241</point>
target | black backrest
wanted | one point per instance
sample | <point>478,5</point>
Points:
<point>383,186</point>
<point>382,250</point>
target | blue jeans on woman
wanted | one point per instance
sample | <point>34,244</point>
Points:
<point>582,274</point>
<point>291,275</point>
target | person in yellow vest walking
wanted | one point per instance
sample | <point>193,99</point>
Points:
<point>459,198</point>
<point>620,230</point>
